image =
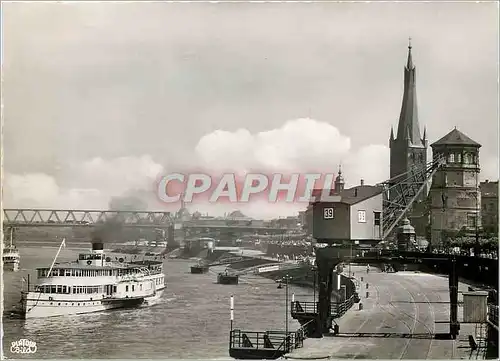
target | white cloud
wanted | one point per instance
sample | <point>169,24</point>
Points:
<point>38,190</point>
<point>90,185</point>
<point>301,145</point>
<point>119,175</point>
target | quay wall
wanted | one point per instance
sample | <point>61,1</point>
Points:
<point>304,277</point>
<point>274,250</point>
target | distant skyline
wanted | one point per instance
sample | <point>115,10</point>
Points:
<point>100,99</point>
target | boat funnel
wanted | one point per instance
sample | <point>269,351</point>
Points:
<point>97,246</point>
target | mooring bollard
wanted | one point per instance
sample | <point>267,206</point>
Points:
<point>361,306</point>
<point>361,279</point>
<point>367,294</point>
<point>367,286</point>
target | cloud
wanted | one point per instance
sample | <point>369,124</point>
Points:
<point>39,190</point>
<point>94,184</point>
<point>301,145</point>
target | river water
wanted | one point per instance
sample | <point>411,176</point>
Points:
<point>191,320</point>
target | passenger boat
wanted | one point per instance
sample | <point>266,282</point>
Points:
<point>10,256</point>
<point>92,283</point>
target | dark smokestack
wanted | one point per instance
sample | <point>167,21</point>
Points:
<point>355,192</point>
<point>97,244</point>
<point>362,182</point>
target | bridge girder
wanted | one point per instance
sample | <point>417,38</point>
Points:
<point>84,218</point>
<point>94,218</point>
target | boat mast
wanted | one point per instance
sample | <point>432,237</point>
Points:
<point>63,243</point>
<point>11,231</point>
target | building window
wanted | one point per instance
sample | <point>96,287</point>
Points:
<point>451,158</point>
<point>471,220</point>
<point>361,216</point>
<point>376,218</point>
<point>459,158</point>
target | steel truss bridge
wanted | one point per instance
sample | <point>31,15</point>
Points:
<point>84,218</point>
<point>93,218</point>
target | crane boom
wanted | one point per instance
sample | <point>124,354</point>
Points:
<point>401,191</point>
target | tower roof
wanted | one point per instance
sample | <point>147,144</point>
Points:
<point>339,178</point>
<point>408,125</point>
<point>456,137</point>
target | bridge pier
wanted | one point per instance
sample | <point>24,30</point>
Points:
<point>326,266</point>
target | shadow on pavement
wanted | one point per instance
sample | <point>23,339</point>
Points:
<point>423,336</point>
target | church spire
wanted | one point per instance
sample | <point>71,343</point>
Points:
<point>408,125</point>
<point>339,181</point>
<point>409,62</point>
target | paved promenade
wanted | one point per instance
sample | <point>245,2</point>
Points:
<point>402,318</point>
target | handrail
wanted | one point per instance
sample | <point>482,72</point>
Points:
<point>338,309</point>
<point>262,339</point>
<point>277,341</point>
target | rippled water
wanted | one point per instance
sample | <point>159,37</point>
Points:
<point>190,321</point>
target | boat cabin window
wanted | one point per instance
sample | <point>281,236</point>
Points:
<point>82,272</point>
<point>68,289</point>
<point>89,257</point>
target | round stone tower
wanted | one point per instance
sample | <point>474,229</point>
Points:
<point>455,198</point>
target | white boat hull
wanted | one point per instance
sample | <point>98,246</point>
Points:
<point>40,309</point>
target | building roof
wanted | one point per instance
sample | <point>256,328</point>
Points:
<point>359,193</point>
<point>351,195</point>
<point>456,137</point>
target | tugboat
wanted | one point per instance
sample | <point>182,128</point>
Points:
<point>225,278</point>
<point>11,257</point>
<point>92,283</point>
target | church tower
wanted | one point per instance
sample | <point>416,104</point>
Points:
<point>408,149</point>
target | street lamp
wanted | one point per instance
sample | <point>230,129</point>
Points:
<point>285,279</point>
<point>313,269</point>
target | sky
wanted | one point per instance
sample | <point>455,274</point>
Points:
<point>101,99</point>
